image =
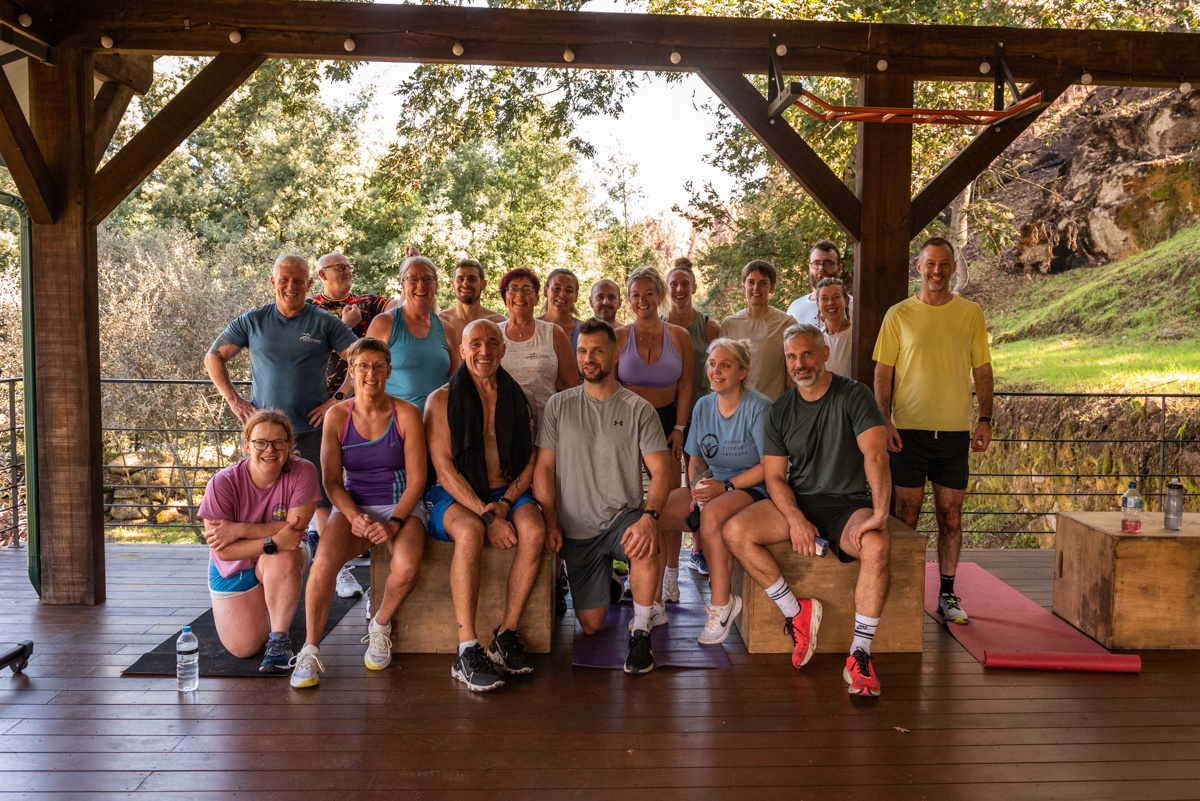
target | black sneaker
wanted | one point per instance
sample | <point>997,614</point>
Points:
<point>641,658</point>
<point>507,653</point>
<point>561,588</point>
<point>278,658</point>
<point>474,669</point>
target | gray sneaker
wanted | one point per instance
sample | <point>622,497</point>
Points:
<point>474,669</point>
<point>717,627</point>
<point>950,608</point>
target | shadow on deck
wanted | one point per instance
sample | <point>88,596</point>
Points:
<point>945,728</point>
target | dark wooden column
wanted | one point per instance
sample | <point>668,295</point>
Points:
<point>883,171</point>
<point>66,341</point>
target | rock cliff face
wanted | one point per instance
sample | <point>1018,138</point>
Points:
<point>1111,172</point>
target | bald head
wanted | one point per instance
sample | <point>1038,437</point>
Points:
<point>605,300</point>
<point>482,348</point>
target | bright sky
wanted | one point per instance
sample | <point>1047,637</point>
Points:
<point>663,130</point>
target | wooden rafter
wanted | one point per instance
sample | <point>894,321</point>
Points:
<point>745,101</point>
<point>40,26</point>
<point>111,102</point>
<point>169,127</point>
<point>134,71</point>
<point>975,158</point>
<point>24,158</point>
<point>423,33</point>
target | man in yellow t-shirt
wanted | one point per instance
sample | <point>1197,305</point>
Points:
<point>930,347</point>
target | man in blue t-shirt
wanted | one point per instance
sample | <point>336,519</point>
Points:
<point>290,341</point>
<point>825,460</point>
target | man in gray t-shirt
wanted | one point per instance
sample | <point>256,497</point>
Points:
<point>590,447</point>
<point>825,460</point>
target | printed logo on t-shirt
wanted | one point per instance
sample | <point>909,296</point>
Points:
<point>279,512</point>
<point>709,444</point>
<point>306,337</point>
<point>618,422</point>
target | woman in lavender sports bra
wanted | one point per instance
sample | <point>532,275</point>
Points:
<point>656,364</point>
<point>379,441</point>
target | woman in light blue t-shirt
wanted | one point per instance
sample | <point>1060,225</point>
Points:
<point>725,473</point>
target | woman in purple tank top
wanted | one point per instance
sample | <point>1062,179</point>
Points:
<point>379,441</point>
<point>656,364</point>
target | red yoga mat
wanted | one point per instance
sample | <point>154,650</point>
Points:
<point>1006,629</point>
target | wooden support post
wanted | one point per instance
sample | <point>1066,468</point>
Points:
<point>111,102</point>
<point>883,172</point>
<point>66,344</point>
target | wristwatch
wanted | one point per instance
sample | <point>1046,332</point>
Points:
<point>488,517</point>
<point>269,546</point>
<point>650,512</point>
<point>729,486</point>
<point>339,396</point>
<point>396,520</point>
<point>987,420</point>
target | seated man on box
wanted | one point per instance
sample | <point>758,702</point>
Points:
<point>826,463</point>
<point>481,443</point>
<point>591,444</point>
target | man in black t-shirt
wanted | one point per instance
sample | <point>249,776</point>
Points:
<point>826,464</point>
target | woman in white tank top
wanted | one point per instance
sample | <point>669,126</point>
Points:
<point>537,354</point>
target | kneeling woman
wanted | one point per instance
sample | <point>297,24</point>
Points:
<point>380,443</point>
<point>256,515</point>
<point>726,437</point>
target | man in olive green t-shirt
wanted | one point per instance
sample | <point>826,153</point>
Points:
<point>930,348</point>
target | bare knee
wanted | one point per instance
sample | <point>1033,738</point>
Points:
<point>533,535</point>
<point>404,571</point>
<point>875,551</point>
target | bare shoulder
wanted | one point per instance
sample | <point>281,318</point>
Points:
<point>679,334</point>
<point>622,333</point>
<point>447,315</point>
<point>496,317</point>
<point>712,328</point>
<point>381,326</point>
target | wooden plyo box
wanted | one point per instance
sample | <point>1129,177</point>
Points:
<point>901,627</point>
<point>1129,590</point>
<point>424,623</point>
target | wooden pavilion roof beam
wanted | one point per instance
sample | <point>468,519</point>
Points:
<point>24,158</point>
<point>416,33</point>
<point>134,71</point>
<point>167,129</point>
<point>41,26</point>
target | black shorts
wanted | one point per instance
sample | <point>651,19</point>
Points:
<point>309,446</point>
<point>666,416</point>
<point>940,456</point>
<point>830,514</point>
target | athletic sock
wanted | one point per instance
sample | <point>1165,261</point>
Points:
<point>722,610</point>
<point>947,584</point>
<point>864,632</point>
<point>375,621</point>
<point>783,598</point>
<point>672,571</point>
<point>641,617</point>
<point>463,646</point>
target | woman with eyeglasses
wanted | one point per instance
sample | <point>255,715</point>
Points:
<point>379,441</point>
<point>424,346</point>
<point>562,291</point>
<point>537,354</point>
<point>256,515</point>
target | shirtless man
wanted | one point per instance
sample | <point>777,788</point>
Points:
<point>468,285</point>
<point>480,437</point>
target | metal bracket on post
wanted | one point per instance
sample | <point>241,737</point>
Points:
<point>780,94</point>
<point>1003,77</point>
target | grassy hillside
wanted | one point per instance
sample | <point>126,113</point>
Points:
<point>1129,326</point>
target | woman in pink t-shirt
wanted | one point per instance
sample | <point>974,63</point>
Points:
<point>256,515</point>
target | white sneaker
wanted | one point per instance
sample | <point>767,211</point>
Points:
<point>307,667</point>
<point>379,646</point>
<point>347,585</point>
<point>717,628</point>
<point>658,616</point>
<point>671,587</point>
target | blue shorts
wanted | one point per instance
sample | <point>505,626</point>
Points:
<point>243,581</point>
<point>439,501</point>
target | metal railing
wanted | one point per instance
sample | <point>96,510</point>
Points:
<point>12,494</point>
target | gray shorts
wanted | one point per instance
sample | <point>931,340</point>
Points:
<point>589,562</point>
<point>309,446</point>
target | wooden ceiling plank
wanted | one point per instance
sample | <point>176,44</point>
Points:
<point>111,103</point>
<point>133,70</point>
<point>167,129</point>
<point>972,160</point>
<point>24,158</point>
<point>820,182</point>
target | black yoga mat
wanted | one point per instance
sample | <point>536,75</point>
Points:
<point>216,661</point>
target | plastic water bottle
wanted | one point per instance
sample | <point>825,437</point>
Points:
<point>1131,510</point>
<point>187,661</point>
<point>1173,506</point>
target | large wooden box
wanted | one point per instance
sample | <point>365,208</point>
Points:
<point>1129,590</point>
<point>901,625</point>
<point>424,623</point>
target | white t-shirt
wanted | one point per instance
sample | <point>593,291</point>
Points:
<point>839,352</point>
<point>804,308</point>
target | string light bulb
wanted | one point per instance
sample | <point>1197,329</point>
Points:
<point>881,65</point>
<point>349,44</point>
<point>568,55</point>
<point>675,56</point>
<point>1186,87</point>
<point>106,41</point>
<point>984,67</point>
<point>25,20</point>
<point>781,50</point>
<point>457,49</point>
<point>235,37</point>
<point>1086,79</point>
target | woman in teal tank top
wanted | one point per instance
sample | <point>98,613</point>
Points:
<point>424,347</point>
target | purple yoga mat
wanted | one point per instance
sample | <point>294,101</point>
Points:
<point>673,644</point>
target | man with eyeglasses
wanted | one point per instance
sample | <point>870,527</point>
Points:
<point>468,285</point>
<point>290,341</point>
<point>825,261</point>
<point>357,311</point>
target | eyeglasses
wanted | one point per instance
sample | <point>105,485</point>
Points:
<point>425,280</point>
<point>339,268</point>
<point>274,444</point>
<point>523,289</point>
<point>823,265</point>
<point>369,367</point>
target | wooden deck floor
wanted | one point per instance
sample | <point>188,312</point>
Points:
<point>945,728</point>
